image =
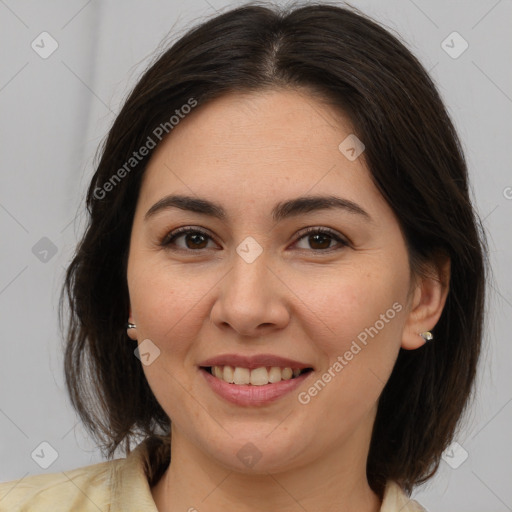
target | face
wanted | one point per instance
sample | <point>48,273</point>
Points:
<point>263,286</point>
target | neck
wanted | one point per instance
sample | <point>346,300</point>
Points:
<point>336,480</point>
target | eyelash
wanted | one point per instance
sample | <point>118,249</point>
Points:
<point>171,237</point>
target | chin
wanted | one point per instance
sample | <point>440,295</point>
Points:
<point>261,453</point>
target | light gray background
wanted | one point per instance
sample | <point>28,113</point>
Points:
<point>55,112</point>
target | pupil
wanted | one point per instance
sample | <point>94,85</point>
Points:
<point>196,240</point>
<point>324,237</point>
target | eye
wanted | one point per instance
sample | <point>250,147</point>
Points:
<point>322,238</point>
<point>194,238</point>
<point>319,239</point>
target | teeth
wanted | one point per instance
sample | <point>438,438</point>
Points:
<point>259,376</point>
<point>274,375</point>
<point>226,374</point>
<point>287,374</point>
<point>256,377</point>
<point>242,375</point>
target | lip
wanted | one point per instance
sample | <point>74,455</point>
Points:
<point>249,395</point>
<point>252,362</point>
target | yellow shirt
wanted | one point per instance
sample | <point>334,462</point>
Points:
<point>121,485</point>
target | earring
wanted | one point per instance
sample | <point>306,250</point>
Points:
<point>427,336</point>
<point>130,326</point>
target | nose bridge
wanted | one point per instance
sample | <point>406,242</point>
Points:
<point>250,296</point>
<point>249,280</point>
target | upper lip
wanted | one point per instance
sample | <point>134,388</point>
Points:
<point>252,362</point>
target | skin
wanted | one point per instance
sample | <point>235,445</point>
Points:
<point>247,153</point>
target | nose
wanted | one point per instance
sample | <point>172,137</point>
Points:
<point>251,299</point>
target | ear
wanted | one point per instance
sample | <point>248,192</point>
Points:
<point>132,333</point>
<point>428,300</point>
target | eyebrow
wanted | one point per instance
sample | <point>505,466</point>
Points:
<point>282,210</point>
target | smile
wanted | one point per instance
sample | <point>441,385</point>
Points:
<point>244,393</point>
<point>260,376</point>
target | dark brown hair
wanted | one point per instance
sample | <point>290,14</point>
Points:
<point>415,159</point>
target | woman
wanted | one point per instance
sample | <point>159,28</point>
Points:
<point>282,280</point>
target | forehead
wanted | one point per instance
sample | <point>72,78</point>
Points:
<point>262,123</point>
<point>252,147</point>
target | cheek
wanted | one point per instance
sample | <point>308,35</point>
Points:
<point>164,298</point>
<point>351,304</point>
<point>359,319</point>
<point>358,323</point>
<point>167,304</point>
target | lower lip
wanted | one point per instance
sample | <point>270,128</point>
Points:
<point>249,395</point>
